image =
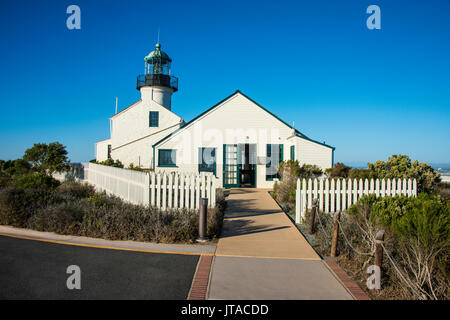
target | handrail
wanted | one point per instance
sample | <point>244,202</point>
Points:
<point>163,80</point>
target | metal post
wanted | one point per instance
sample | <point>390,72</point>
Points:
<point>379,239</point>
<point>312,218</point>
<point>335,234</point>
<point>202,221</point>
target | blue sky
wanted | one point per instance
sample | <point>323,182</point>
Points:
<point>369,93</point>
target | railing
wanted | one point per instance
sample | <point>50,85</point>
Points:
<point>162,190</point>
<point>162,80</point>
<point>339,195</point>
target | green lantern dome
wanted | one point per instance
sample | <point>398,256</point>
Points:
<point>157,54</point>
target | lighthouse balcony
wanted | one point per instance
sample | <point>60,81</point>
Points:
<point>162,80</point>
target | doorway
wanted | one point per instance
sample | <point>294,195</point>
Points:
<point>239,165</point>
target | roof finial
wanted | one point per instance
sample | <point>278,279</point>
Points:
<point>158,35</point>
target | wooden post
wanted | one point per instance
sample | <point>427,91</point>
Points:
<point>312,217</point>
<point>298,215</point>
<point>379,239</point>
<point>334,242</point>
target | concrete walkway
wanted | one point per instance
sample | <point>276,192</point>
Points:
<point>262,255</point>
<point>52,237</point>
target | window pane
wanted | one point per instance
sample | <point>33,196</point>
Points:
<point>154,119</point>
<point>207,159</point>
<point>274,158</point>
<point>167,157</point>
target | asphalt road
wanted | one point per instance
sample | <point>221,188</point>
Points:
<point>37,270</point>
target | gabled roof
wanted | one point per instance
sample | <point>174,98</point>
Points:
<point>309,139</point>
<point>297,133</point>
<point>131,105</point>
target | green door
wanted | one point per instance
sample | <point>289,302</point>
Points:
<point>230,166</point>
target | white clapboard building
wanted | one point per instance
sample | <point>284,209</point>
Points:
<point>237,140</point>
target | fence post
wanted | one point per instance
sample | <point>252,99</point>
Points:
<point>379,239</point>
<point>146,199</point>
<point>297,203</point>
<point>303,202</point>
<point>312,217</point>
<point>334,242</point>
<point>202,220</point>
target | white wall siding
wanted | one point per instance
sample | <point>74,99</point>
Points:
<point>237,120</point>
<point>132,137</point>
<point>140,152</point>
<point>133,124</point>
<point>101,150</point>
<point>309,152</point>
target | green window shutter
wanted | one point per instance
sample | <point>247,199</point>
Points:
<point>292,152</point>
<point>167,158</point>
<point>153,119</point>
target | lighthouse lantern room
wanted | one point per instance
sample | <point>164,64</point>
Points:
<point>157,83</point>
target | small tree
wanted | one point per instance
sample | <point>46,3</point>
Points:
<point>339,170</point>
<point>290,170</point>
<point>309,171</point>
<point>400,166</point>
<point>19,167</point>
<point>47,158</point>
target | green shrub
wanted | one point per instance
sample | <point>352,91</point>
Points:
<point>17,205</point>
<point>289,168</point>
<point>4,180</point>
<point>63,218</point>
<point>290,171</point>
<point>36,181</point>
<point>76,209</point>
<point>135,168</point>
<point>397,166</point>
<point>421,230</point>
<point>16,167</point>
<point>339,170</point>
<point>215,215</point>
<point>284,190</point>
<point>112,163</point>
<point>76,190</point>
<point>102,200</point>
<point>358,174</point>
<point>400,166</point>
<point>423,217</point>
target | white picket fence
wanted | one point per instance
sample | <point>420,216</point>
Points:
<point>162,190</point>
<point>338,195</point>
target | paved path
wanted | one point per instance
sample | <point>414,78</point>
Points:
<point>262,255</point>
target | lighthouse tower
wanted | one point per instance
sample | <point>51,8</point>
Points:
<point>157,83</point>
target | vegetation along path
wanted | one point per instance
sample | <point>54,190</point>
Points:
<point>262,255</point>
